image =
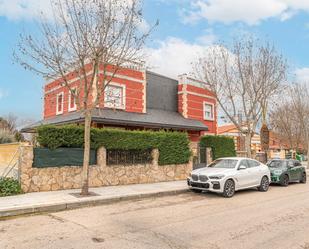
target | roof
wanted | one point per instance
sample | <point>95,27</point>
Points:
<point>154,118</point>
<point>225,128</point>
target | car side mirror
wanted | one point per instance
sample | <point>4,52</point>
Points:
<point>241,167</point>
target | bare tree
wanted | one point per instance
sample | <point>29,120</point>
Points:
<point>90,40</point>
<point>290,119</point>
<point>285,124</point>
<point>244,78</point>
<point>299,94</point>
<point>11,121</point>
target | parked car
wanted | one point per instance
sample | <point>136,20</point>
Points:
<point>284,171</point>
<point>227,175</point>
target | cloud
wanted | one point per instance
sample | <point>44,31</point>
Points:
<point>250,12</point>
<point>25,9</point>
<point>174,56</point>
<point>3,93</point>
<point>302,74</point>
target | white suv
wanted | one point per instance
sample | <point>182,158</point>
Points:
<point>227,175</point>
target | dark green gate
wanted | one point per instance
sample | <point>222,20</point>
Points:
<point>201,159</point>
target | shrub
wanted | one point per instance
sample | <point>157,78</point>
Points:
<point>6,137</point>
<point>9,186</point>
<point>173,146</point>
<point>222,146</point>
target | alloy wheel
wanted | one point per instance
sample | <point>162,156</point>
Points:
<point>264,184</point>
<point>229,188</point>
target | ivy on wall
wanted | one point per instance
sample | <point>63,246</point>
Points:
<point>222,146</point>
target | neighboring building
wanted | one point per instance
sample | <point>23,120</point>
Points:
<point>232,131</point>
<point>138,99</point>
<point>278,148</point>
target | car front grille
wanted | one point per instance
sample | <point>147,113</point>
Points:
<point>203,178</point>
<point>194,177</point>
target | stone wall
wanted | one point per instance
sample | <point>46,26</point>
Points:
<point>69,177</point>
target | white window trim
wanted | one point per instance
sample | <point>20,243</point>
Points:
<point>71,109</point>
<point>109,105</point>
<point>213,111</point>
<point>57,104</point>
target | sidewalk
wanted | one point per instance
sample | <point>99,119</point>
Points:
<point>61,200</point>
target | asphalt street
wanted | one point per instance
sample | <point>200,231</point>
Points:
<point>278,218</point>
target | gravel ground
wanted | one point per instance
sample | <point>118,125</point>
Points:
<point>276,219</point>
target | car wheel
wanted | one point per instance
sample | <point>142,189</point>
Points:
<point>303,178</point>
<point>229,188</point>
<point>196,190</point>
<point>285,181</point>
<point>264,185</point>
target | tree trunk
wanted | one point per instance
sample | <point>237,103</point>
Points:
<point>85,171</point>
<point>248,138</point>
<point>308,154</point>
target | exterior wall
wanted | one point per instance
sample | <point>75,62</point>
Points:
<point>191,98</point>
<point>133,80</point>
<point>56,178</point>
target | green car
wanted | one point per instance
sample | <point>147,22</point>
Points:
<point>284,171</point>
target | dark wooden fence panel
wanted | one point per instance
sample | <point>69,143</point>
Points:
<point>44,157</point>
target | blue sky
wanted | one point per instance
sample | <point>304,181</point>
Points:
<point>187,28</point>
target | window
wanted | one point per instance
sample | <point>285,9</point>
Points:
<point>72,100</point>
<point>253,164</point>
<point>244,162</point>
<point>223,164</point>
<point>114,96</point>
<point>297,163</point>
<point>59,103</point>
<point>208,111</point>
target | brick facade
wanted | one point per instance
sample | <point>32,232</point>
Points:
<point>191,96</point>
<point>133,81</point>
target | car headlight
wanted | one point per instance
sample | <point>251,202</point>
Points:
<point>217,177</point>
<point>277,172</point>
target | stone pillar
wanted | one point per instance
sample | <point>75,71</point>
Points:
<point>209,158</point>
<point>101,157</point>
<point>25,162</point>
<point>194,148</point>
<point>155,157</point>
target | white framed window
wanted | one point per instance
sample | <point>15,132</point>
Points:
<point>59,103</point>
<point>72,100</point>
<point>114,96</point>
<point>208,111</point>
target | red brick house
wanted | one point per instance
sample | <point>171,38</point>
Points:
<point>138,99</point>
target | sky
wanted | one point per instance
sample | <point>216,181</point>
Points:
<point>186,29</point>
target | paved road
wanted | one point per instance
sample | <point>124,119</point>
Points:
<point>276,219</point>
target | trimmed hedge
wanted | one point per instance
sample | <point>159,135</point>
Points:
<point>173,146</point>
<point>222,146</point>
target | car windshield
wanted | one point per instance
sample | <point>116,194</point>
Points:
<point>223,164</point>
<point>276,164</point>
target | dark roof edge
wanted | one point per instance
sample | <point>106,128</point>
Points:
<point>108,121</point>
<point>161,75</point>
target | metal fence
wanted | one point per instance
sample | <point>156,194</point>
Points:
<point>128,157</point>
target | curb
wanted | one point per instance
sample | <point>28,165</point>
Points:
<point>12,212</point>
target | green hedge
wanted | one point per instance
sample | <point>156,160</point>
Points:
<point>221,146</point>
<point>173,146</point>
